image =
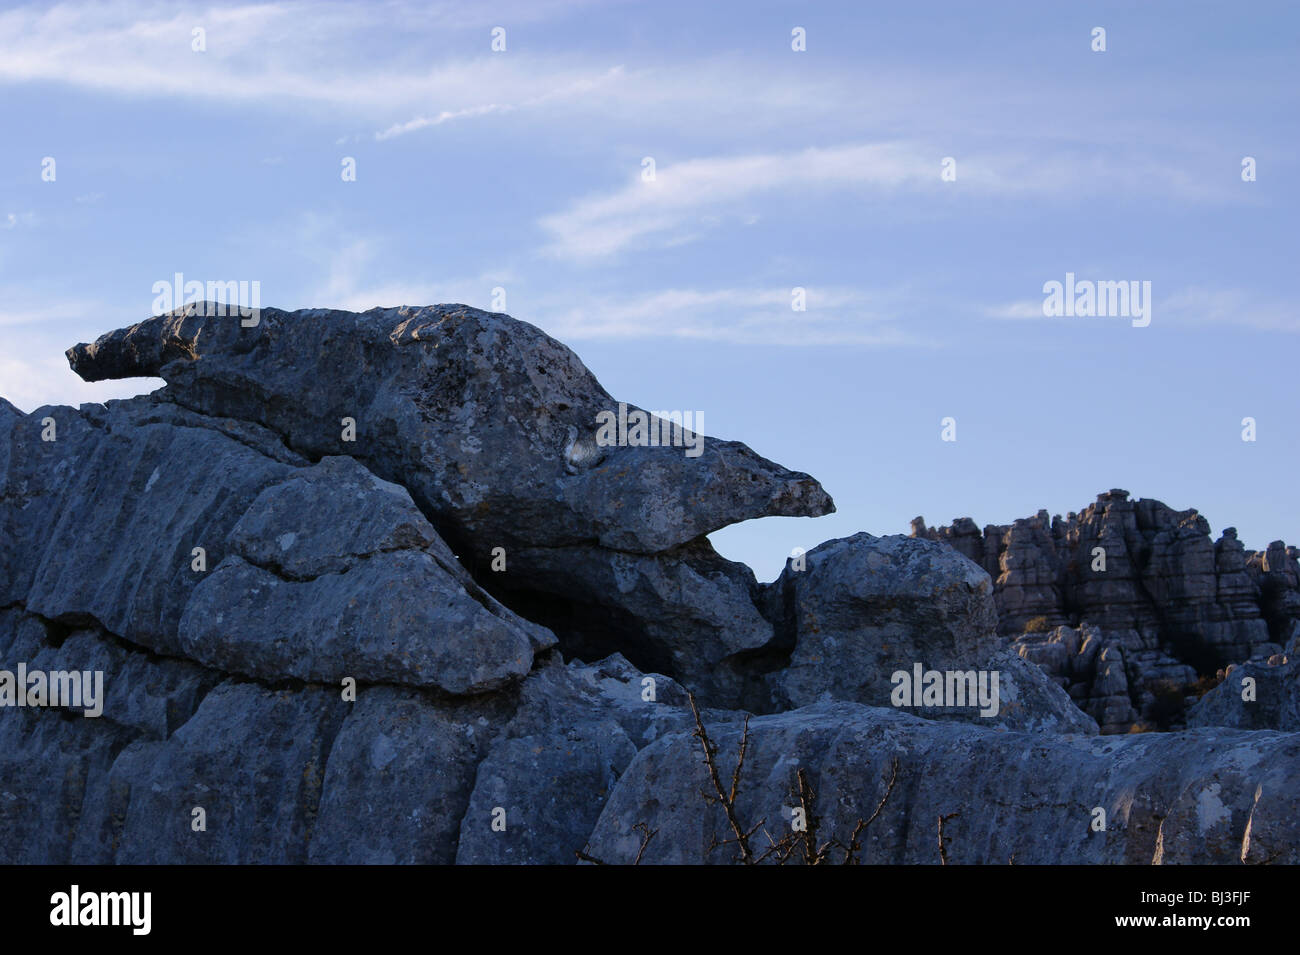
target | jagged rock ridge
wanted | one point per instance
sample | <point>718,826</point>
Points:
<point>1133,607</point>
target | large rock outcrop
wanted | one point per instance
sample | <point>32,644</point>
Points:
<point>491,425</point>
<point>206,538</point>
<point>1117,677</point>
<point>469,634</point>
<point>441,398</point>
<point>1205,796</point>
<point>1258,694</point>
<point>852,613</point>
<point>1167,605</point>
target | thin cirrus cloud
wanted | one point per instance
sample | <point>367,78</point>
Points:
<point>38,373</point>
<point>1198,305</point>
<point>315,59</point>
<point>30,382</point>
<point>740,315</point>
<point>1023,310</point>
<point>601,225</point>
<point>284,54</point>
<point>1186,308</point>
<point>357,275</point>
<point>342,56</point>
<point>753,316</point>
<point>350,280</point>
<point>338,62</point>
<point>686,196</point>
<point>567,87</point>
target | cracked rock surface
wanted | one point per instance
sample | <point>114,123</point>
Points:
<point>468,635</point>
<point>1132,606</point>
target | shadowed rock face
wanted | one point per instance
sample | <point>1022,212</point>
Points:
<point>1259,694</point>
<point>346,675</point>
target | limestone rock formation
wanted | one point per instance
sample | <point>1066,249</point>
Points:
<point>1276,573</point>
<point>1258,694</point>
<point>573,734</point>
<point>441,396</point>
<point>469,634</point>
<point>1204,796</point>
<point>491,426</point>
<point>1115,677</point>
<point>856,611</point>
<point>208,539</point>
<point>1166,604</point>
<point>864,607</point>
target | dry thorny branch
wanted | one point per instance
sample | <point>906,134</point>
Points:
<point>802,843</point>
<point>943,846</point>
<point>646,835</point>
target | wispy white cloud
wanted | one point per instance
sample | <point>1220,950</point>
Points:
<point>353,269</point>
<point>679,193</point>
<point>424,122</point>
<point>1023,310</point>
<point>567,88</point>
<point>685,197</point>
<point>754,316</point>
<point>1186,307</point>
<point>762,315</point>
<point>19,308</point>
<point>1199,305</point>
<point>281,54</point>
<point>32,382</point>
<point>339,63</point>
<point>34,335</point>
<point>341,57</point>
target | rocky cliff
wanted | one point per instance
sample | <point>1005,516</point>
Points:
<point>1131,605</point>
<point>371,588</point>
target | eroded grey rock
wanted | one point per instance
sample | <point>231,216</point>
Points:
<point>862,609</point>
<point>865,607</point>
<point>326,559</point>
<point>491,426</point>
<point>475,413</point>
<point>106,516</point>
<point>352,580</point>
<point>1253,695</point>
<point>1190,797</point>
<point>687,612</point>
<point>49,771</point>
<point>253,759</point>
<point>576,729</point>
<point>398,779</point>
<point>1126,565</point>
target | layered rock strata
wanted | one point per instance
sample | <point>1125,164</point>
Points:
<point>365,588</point>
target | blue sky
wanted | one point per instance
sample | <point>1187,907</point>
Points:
<point>774,169</point>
